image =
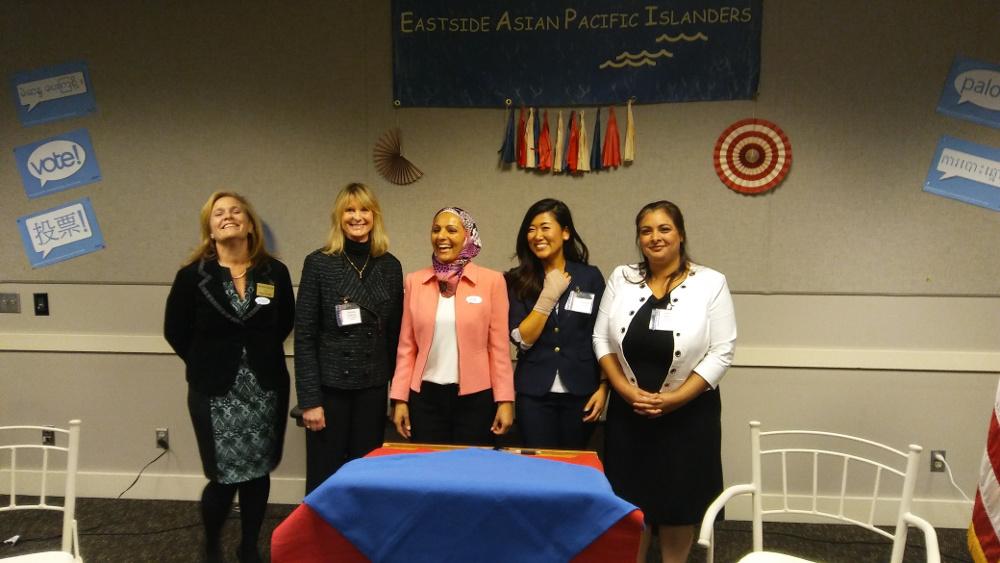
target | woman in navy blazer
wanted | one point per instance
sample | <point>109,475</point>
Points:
<point>554,297</point>
<point>228,314</point>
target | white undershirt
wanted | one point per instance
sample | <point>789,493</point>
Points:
<point>442,358</point>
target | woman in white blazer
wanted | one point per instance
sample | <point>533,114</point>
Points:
<point>665,336</point>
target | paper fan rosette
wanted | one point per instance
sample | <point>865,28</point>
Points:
<point>389,160</point>
<point>752,156</point>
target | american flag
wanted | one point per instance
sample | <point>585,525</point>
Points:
<point>984,533</point>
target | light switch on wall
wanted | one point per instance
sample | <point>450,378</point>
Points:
<point>41,304</point>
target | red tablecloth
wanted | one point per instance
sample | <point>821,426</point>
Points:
<point>305,536</point>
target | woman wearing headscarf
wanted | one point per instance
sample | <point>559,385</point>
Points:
<point>454,383</point>
<point>350,305</point>
<point>228,313</point>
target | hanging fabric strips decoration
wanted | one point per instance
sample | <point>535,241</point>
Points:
<point>559,156</point>
<point>596,157</point>
<point>612,155</point>
<point>521,156</point>
<point>507,148</point>
<point>574,149</point>
<point>536,132</point>
<point>530,152</point>
<point>583,160</point>
<point>629,153</point>
<point>544,145</point>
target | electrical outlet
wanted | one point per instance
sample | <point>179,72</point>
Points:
<point>937,465</point>
<point>163,438</point>
<point>10,303</point>
<point>48,438</point>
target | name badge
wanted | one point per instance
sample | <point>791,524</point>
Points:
<point>265,290</point>
<point>348,314</point>
<point>580,302</point>
<point>262,300</point>
<point>661,319</point>
<point>474,299</point>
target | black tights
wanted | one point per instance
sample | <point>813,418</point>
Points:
<point>217,499</point>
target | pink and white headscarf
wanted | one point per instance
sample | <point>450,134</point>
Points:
<point>449,274</point>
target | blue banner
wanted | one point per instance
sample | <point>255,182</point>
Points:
<point>479,53</point>
<point>57,163</point>
<point>53,93</point>
<point>60,233</point>
<point>972,92</point>
<point>965,171</point>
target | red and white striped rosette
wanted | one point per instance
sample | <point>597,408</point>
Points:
<point>752,156</point>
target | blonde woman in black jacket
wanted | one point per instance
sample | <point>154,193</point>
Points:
<point>228,314</point>
<point>350,306</point>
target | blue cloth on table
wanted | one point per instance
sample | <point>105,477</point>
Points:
<point>468,505</point>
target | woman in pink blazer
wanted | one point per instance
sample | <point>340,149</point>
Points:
<point>453,383</point>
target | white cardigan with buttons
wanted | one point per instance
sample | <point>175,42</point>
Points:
<point>704,323</point>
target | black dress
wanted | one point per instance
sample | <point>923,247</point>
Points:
<point>671,466</point>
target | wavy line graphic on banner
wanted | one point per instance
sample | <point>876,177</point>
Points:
<point>646,58</point>
<point>643,58</point>
<point>682,37</point>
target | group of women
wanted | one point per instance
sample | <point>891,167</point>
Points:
<point>651,344</point>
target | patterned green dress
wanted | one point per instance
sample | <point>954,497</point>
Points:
<point>244,420</point>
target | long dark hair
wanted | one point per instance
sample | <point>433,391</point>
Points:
<point>675,215</point>
<point>525,280</point>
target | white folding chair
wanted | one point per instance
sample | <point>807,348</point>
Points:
<point>838,478</point>
<point>33,471</point>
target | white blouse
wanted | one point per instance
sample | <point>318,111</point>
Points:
<point>442,358</point>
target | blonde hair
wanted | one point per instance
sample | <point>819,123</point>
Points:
<point>256,247</point>
<point>366,198</point>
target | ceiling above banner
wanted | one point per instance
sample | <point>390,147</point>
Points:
<point>483,53</point>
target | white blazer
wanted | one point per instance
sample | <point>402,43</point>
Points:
<point>704,323</point>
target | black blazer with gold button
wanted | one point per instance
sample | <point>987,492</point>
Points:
<point>206,333</point>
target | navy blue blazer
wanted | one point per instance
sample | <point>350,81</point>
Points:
<point>565,343</point>
<point>202,328</point>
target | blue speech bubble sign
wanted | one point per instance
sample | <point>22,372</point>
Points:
<point>972,92</point>
<point>965,171</point>
<point>60,233</point>
<point>57,163</point>
<point>53,93</point>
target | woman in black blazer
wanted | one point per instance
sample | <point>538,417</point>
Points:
<point>346,329</point>
<point>554,296</point>
<point>229,311</point>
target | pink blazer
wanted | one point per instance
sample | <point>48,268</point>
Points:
<point>481,319</point>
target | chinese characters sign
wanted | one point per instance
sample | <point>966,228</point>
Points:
<point>573,52</point>
<point>53,93</point>
<point>57,163</point>
<point>60,233</point>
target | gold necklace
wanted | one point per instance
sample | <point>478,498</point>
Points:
<point>245,270</point>
<point>361,272</point>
